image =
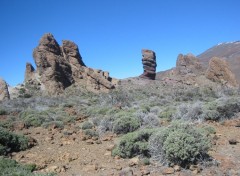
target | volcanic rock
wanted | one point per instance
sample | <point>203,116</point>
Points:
<point>4,94</point>
<point>188,65</point>
<point>59,67</point>
<point>219,71</point>
<point>29,72</point>
<point>149,64</point>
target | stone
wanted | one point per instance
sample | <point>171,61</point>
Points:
<point>126,172</point>
<point>233,142</point>
<point>4,93</point>
<point>188,65</point>
<point>167,171</point>
<point>29,72</point>
<point>134,161</point>
<point>177,168</point>
<point>59,67</point>
<point>149,64</point>
<point>219,71</point>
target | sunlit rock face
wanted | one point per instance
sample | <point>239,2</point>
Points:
<point>149,64</point>
<point>59,67</point>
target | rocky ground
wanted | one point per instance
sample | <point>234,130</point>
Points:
<point>70,153</point>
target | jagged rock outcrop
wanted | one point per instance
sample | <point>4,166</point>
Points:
<point>219,71</point>
<point>149,64</point>
<point>29,72</point>
<point>4,94</point>
<point>58,67</point>
<point>188,65</point>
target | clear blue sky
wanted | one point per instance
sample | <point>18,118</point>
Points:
<point>111,33</point>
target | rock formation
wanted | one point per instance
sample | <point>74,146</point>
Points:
<point>4,94</point>
<point>29,72</point>
<point>188,65</point>
<point>149,64</point>
<point>58,67</point>
<point>219,71</point>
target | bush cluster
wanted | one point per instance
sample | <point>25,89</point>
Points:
<point>11,142</point>
<point>125,124</point>
<point>10,167</point>
<point>133,144</point>
<point>180,143</point>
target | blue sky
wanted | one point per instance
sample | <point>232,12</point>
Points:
<point>111,33</point>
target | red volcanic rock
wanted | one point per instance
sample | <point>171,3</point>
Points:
<point>59,67</point>
<point>4,94</point>
<point>188,64</point>
<point>219,71</point>
<point>149,64</point>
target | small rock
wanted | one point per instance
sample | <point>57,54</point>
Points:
<point>98,142</point>
<point>52,169</point>
<point>177,168</point>
<point>195,168</point>
<point>108,153</point>
<point>134,161</point>
<point>89,142</point>
<point>168,170</point>
<point>110,147</point>
<point>93,167</point>
<point>145,172</point>
<point>126,172</point>
<point>233,142</point>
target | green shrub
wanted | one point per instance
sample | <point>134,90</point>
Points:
<point>3,112</point>
<point>10,167</point>
<point>90,132</point>
<point>180,144</point>
<point>87,125</point>
<point>167,113</point>
<point>11,142</point>
<point>125,124</point>
<point>32,118</point>
<point>133,144</point>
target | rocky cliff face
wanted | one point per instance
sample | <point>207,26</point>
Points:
<point>4,94</point>
<point>188,65</point>
<point>219,71</point>
<point>58,67</point>
<point>149,64</point>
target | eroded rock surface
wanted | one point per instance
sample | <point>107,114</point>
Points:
<point>59,67</point>
<point>149,64</point>
<point>188,65</point>
<point>219,71</point>
<point>4,94</point>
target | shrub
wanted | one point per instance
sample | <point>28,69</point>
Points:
<point>147,119</point>
<point>125,124</point>
<point>10,167</point>
<point>32,118</point>
<point>90,132</point>
<point>3,112</point>
<point>11,142</point>
<point>180,144</point>
<point>133,144</point>
<point>189,112</point>
<point>87,125</point>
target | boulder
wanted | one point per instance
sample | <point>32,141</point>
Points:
<point>4,94</point>
<point>219,71</point>
<point>149,64</point>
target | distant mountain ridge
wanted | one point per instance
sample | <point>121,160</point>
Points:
<point>229,51</point>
